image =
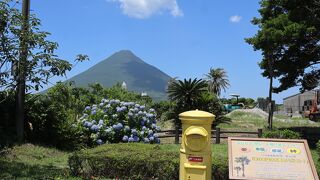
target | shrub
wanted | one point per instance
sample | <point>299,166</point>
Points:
<point>114,121</point>
<point>126,161</point>
<point>137,161</point>
<point>282,134</point>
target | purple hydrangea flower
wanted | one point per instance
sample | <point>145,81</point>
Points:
<point>99,141</point>
<point>134,132</point>
<point>87,108</point>
<point>150,132</point>
<point>136,139</point>
<point>130,139</point>
<point>95,128</point>
<point>125,139</point>
<point>93,112</point>
<point>151,138</point>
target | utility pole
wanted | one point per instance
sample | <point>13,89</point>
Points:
<point>22,66</point>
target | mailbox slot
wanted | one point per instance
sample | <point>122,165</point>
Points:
<point>196,138</point>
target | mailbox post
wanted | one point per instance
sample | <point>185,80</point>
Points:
<point>195,150</point>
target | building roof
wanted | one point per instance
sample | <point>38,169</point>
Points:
<point>297,94</point>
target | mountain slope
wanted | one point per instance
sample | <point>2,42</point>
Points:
<point>125,66</point>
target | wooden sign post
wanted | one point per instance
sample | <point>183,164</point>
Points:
<point>256,158</point>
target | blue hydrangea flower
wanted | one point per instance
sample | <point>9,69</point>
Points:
<point>99,141</point>
<point>154,126</point>
<point>87,108</point>
<point>118,109</point>
<point>85,115</point>
<point>144,128</point>
<point>142,122</point>
<point>117,101</point>
<point>130,139</point>
<point>94,121</point>
<point>95,128</point>
<point>101,122</point>
<point>134,132</point>
<point>130,114</point>
<point>135,110</point>
<point>87,124</point>
<point>149,115</point>
<point>151,110</point>
<point>151,138</point>
<point>101,105</point>
<point>93,112</point>
<point>150,132</point>
<point>125,139</point>
<point>137,105</point>
<point>124,108</point>
<point>136,139</point>
<point>120,126</point>
<point>140,113</point>
<point>108,130</point>
<point>142,133</point>
<point>142,107</point>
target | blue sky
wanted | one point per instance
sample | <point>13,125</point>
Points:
<point>183,38</point>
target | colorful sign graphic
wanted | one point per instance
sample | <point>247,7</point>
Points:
<point>255,158</point>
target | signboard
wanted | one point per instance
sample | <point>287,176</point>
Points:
<point>256,158</point>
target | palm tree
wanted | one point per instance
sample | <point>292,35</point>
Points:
<point>244,161</point>
<point>186,92</point>
<point>217,80</point>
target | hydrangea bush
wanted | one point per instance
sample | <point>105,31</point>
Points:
<point>114,121</point>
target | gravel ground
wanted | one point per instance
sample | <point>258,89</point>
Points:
<point>263,114</point>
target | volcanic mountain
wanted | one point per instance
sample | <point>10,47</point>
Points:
<point>124,66</point>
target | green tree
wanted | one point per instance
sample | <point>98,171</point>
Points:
<point>244,161</point>
<point>186,92</point>
<point>289,36</point>
<point>27,57</point>
<point>217,80</point>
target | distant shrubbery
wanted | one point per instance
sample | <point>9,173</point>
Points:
<point>50,116</point>
<point>282,134</point>
<point>135,161</point>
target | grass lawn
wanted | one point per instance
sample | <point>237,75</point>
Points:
<point>35,162</point>
<point>248,122</point>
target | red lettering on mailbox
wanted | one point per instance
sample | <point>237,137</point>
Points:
<point>195,159</point>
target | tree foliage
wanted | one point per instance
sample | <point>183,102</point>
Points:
<point>289,38</point>
<point>42,62</point>
<point>217,80</point>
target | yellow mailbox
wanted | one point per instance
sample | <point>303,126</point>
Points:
<point>195,150</point>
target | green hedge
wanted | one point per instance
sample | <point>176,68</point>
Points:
<point>137,161</point>
<point>282,134</point>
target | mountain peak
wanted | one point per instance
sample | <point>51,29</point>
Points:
<point>125,66</point>
<point>124,56</point>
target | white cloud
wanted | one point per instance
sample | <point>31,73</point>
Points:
<point>235,19</point>
<point>142,9</point>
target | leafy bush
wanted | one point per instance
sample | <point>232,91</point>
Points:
<point>137,161</point>
<point>114,121</point>
<point>126,161</point>
<point>281,134</point>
